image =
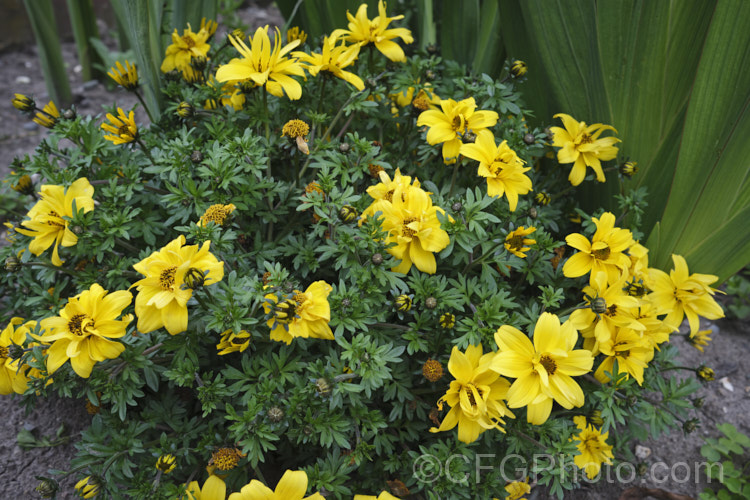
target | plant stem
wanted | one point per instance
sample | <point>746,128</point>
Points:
<point>453,179</point>
<point>127,245</point>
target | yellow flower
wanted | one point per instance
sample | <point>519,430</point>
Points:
<point>414,227</point>
<point>87,487</point>
<point>213,489</point>
<point>209,25</point>
<point>384,495</point>
<point>333,60</point>
<point>162,298</point>
<point>544,369</point>
<point>515,241</point>
<point>580,145</point>
<point>365,31</point>
<point>306,315</point>
<point>183,50</point>
<point>218,214</point>
<point>122,128</point>
<point>291,486</point>
<point>48,116</point>
<point>14,377</point>
<point>681,294</point>
<point>500,165</point>
<point>386,189</point>
<point>23,103</point>
<point>225,459</point>
<point>593,448</point>
<point>127,76</point>
<point>603,253</point>
<point>705,373</point>
<point>24,185</point>
<point>432,370</point>
<point>475,396</point>
<point>47,225</point>
<point>295,33</point>
<point>294,129</point>
<point>233,342</point>
<point>629,349</point>
<point>264,66</point>
<point>82,331</point>
<point>166,463</point>
<point>517,489</point>
<point>700,339</point>
<point>453,122</point>
<point>423,101</point>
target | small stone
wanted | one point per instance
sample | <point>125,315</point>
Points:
<point>23,80</point>
<point>642,452</point>
<point>726,384</point>
<point>77,68</point>
<point>91,84</point>
<point>30,126</point>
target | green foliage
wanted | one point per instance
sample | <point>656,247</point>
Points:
<point>738,292</point>
<point>728,464</point>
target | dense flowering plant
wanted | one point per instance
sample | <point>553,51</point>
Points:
<point>334,265</point>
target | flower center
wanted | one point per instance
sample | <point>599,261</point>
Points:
<point>406,230</point>
<point>188,41</point>
<point>601,254</point>
<point>611,310</point>
<point>166,279</point>
<point>389,195</point>
<point>549,364</point>
<point>516,242</point>
<point>624,354</point>
<point>586,139</point>
<point>459,124</point>
<point>81,325</point>
<point>124,130</point>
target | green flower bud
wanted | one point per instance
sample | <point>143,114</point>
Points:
<point>403,303</point>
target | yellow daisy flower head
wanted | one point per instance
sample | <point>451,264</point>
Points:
<point>14,377</point>
<point>291,486</point>
<point>126,76</point>
<point>48,116</point>
<point>605,251</point>
<point>364,31</point>
<point>333,59</point>
<point>414,227</point>
<point>453,122</point>
<point>680,294</point>
<point>214,488</point>
<point>82,331</point>
<point>163,294</point>
<point>580,145</point>
<point>306,314</point>
<point>516,241</point>
<point>700,339</point>
<point>225,459</point>
<point>386,189</point>
<point>425,99</point>
<point>543,370</point>
<point>630,349</point>
<point>500,165</point>
<point>265,65</point>
<point>593,448</point>
<point>219,214</point>
<point>184,49</point>
<point>476,396</point>
<point>122,128</point>
<point>233,342</point>
<point>88,487</point>
<point>47,224</point>
<point>517,489</point>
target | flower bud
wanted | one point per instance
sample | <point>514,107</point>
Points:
<point>599,305</point>
<point>432,49</point>
<point>705,373</point>
<point>344,147</point>
<point>284,311</point>
<point>596,418</point>
<point>323,386</point>
<point>12,264</point>
<point>456,207</point>
<point>15,351</point>
<point>377,259</point>
<point>194,278</point>
<point>542,198</point>
<point>447,321</point>
<point>430,303</point>
<point>196,156</point>
<point>690,425</point>
<point>199,63</point>
<point>185,110</point>
<point>47,488</point>
<point>629,168</point>
<point>403,303</point>
<point>348,213</point>
<point>238,33</point>
<point>699,402</point>
<point>518,69</point>
<point>166,463</point>
<point>275,414</point>
<point>533,212</point>
<point>529,139</point>
<point>24,185</point>
<point>23,103</point>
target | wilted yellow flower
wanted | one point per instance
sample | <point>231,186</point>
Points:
<point>47,225</point>
<point>162,297</point>
<point>516,240</point>
<point>333,59</point>
<point>700,339</point>
<point>543,370</point>
<point>500,165</point>
<point>233,342</point>
<point>48,116</point>
<point>291,486</point>
<point>705,373</point>
<point>580,145</point>
<point>295,33</point>
<point>209,26</point>
<point>454,122</point>
<point>24,185</point>
<point>218,214</point>
<point>475,396</point>
<point>265,65</point>
<point>306,315</point>
<point>593,448</point>
<point>127,76</point>
<point>447,320</point>
<point>82,331</point>
<point>122,128</point>
<point>365,31</point>
<point>183,49</point>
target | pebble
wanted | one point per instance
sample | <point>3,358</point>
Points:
<point>642,452</point>
<point>726,384</point>
<point>77,68</point>
<point>30,126</point>
<point>24,80</point>
<point>90,84</point>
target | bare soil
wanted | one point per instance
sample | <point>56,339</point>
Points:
<point>20,72</point>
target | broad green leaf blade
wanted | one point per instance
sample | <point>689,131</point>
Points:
<point>489,54</point>
<point>710,187</point>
